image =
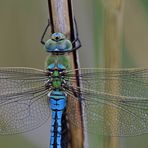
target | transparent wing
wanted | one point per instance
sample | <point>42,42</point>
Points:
<point>126,82</point>
<point>17,80</point>
<point>23,100</point>
<point>106,114</point>
<point>113,102</point>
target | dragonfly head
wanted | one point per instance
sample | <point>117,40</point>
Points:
<point>56,74</point>
<point>58,44</point>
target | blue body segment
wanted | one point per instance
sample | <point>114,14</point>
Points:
<point>61,66</point>
<point>57,100</point>
<point>51,66</point>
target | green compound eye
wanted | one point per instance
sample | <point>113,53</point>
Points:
<point>58,43</point>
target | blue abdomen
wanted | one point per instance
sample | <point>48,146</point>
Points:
<point>58,101</point>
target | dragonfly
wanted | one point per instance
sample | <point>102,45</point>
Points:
<point>114,101</point>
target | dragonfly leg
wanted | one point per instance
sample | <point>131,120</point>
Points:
<point>42,38</point>
<point>76,42</point>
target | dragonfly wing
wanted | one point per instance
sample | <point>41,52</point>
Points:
<point>17,80</point>
<point>107,114</point>
<point>126,82</point>
<point>23,100</point>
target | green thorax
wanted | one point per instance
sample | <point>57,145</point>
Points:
<point>55,64</point>
<point>63,59</point>
<point>56,73</point>
<point>56,82</point>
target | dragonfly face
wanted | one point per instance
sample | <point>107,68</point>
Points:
<point>56,73</point>
<point>57,37</point>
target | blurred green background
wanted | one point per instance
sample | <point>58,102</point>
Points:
<point>21,26</point>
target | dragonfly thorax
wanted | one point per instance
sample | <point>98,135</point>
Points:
<point>56,73</point>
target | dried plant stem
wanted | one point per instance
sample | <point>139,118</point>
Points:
<point>61,18</point>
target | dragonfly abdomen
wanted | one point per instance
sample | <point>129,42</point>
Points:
<point>58,103</point>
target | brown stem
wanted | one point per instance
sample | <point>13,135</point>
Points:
<point>61,18</point>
